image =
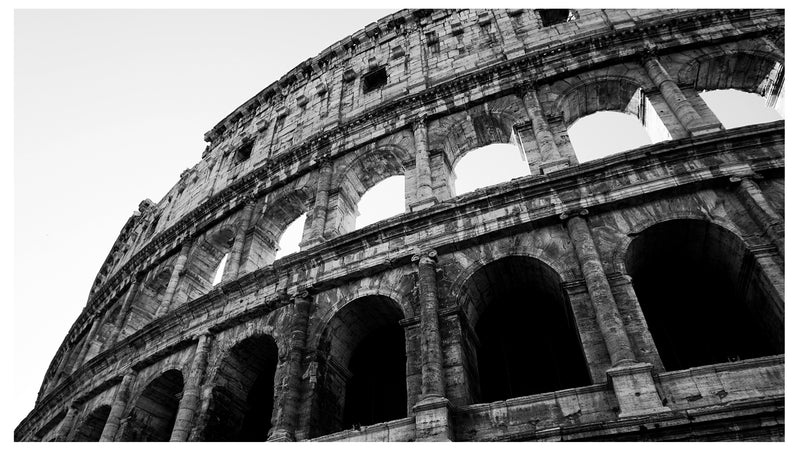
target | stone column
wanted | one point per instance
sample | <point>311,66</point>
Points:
<point>432,412</point>
<point>287,420</point>
<point>551,158</point>
<point>761,211</point>
<point>130,296</point>
<point>66,424</point>
<point>424,195</point>
<point>118,408</point>
<point>87,343</point>
<point>608,318</point>
<point>632,382</point>
<point>191,390</point>
<point>320,211</point>
<point>674,97</point>
<point>172,286</point>
<point>235,258</point>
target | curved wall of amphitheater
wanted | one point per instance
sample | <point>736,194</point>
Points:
<point>583,302</point>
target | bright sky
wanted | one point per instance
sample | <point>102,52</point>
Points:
<point>110,108</point>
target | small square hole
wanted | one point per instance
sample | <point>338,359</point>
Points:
<point>554,16</point>
<point>375,79</point>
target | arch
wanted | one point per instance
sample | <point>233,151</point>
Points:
<point>525,339</point>
<point>243,390</point>
<point>643,223</point>
<point>144,307</point>
<point>609,93</point>
<point>745,69</point>
<point>458,291</point>
<point>361,366</point>
<point>279,211</point>
<point>702,294</point>
<point>203,262</point>
<point>153,414</point>
<point>354,176</point>
<point>91,428</point>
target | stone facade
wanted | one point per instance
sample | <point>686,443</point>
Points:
<point>635,297</point>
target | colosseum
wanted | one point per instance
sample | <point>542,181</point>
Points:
<point>638,296</point>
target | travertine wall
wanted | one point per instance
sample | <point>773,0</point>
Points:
<point>315,141</point>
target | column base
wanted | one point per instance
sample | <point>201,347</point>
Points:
<point>705,129</point>
<point>280,435</point>
<point>548,167</point>
<point>433,421</point>
<point>310,243</point>
<point>422,204</point>
<point>636,390</point>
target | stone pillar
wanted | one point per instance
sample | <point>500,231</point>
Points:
<point>424,195</point>
<point>288,417</point>
<point>551,159</point>
<point>66,424</point>
<point>632,381</point>
<point>644,348</point>
<point>130,296</point>
<point>674,97</point>
<point>235,258</point>
<point>191,390</point>
<point>118,408</point>
<point>320,211</point>
<point>608,318</point>
<point>432,412</point>
<point>172,286</point>
<point>761,211</point>
<point>87,343</point>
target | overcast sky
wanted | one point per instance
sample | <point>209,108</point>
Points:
<point>110,107</point>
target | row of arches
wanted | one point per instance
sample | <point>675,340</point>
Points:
<point>476,148</point>
<point>704,300</point>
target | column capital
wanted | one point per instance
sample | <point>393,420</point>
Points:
<point>425,257</point>
<point>421,120</point>
<point>570,213</point>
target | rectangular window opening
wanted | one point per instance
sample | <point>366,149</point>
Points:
<point>555,16</point>
<point>375,79</point>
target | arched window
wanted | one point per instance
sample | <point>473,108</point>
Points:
<point>289,241</point>
<point>242,397</point>
<point>527,340</point>
<point>616,127</point>
<point>385,199</point>
<point>364,373</point>
<point>735,108</point>
<point>705,299</point>
<point>92,427</point>
<point>220,270</point>
<point>489,165</point>
<point>153,415</point>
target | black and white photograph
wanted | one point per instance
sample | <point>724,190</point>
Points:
<point>333,223</point>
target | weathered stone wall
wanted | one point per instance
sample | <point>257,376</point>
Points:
<point>315,141</point>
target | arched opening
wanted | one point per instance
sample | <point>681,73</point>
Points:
<point>220,270</point>
<point>385,199</point>
<point>723,80</point>
<point>289,242</point>
<point>704,298</point>
<point>364,368</point>
<point>204,264</point>
<point>92,427</point>
<point>489,165</point>
<point>153,414</point>
<point>735,108</point>
<point>616,118</point>
<point>144,308</point>
<point>527,340</point>
<point>242,397</point>
<point>364,171</point>
<point>280,229</point>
